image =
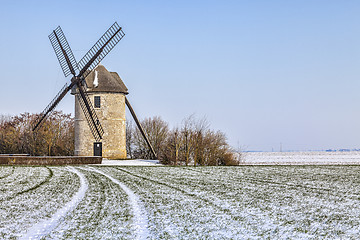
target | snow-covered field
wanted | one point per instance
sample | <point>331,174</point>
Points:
<point>352,157</point>
<point>142,202</point>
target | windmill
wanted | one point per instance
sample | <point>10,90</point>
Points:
<point>79,72</point>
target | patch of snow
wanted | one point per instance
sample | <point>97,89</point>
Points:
<point>136,162</point>
<point>140,217</point>
<point>96,80</point>
<point>44,227</point>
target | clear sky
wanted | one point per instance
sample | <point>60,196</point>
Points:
<point>263,72</point>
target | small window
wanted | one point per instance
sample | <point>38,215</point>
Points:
<point>97,101</point>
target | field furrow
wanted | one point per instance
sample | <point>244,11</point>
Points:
<point>112,202</point>
<point>22,182</point>
<point>21,212</point>
<point>174,212</point>
<point>273,208</point>
<point>6,171</point>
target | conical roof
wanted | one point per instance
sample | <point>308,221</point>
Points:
<point>101,80</point>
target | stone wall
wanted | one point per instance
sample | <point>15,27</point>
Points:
<point>66,160</point>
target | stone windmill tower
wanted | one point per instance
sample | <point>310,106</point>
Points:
<point>106,92</point>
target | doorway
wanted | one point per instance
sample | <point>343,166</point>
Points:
<point>98,149</point>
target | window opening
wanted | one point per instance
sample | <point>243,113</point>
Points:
<point>97,101</point>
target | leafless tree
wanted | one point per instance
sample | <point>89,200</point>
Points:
<point>157,131</point>
<point>55,137</point>
<point>195,143</point>
<point>172,148</point>
<point>130,138</point>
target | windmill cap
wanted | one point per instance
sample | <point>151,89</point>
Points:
<point>101,80</point>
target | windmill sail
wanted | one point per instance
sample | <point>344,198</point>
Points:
<point>100,49</point>
<point>65,89</point>
<point>63,52</point>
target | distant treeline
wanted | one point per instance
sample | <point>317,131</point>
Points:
<point>54,138</point>
<point>193,143</point>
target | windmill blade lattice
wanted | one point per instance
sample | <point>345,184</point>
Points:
<point>90,114</point>
<point>63,52</point>
<point>100,49</point>
<point>64,90</point>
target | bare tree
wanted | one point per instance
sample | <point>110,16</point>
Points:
<point>56,137</point>
<point>130,138</point>
<point>157,131</point>
<point>187,131</point>
<point>200,128</point>
<point>195,143</point>
<point>239,155</point>
<point>172,148</point>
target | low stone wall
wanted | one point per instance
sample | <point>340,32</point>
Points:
<point>63,160</point>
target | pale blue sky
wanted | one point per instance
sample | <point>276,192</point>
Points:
<point>264,72</point>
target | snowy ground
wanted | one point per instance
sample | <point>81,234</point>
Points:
<point>142,202</point>
<point>296,158</point>
<point>135,162</point>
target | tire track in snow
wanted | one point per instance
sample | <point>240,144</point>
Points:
<point>44,227</point>
<point>190,194</point>
<point>30,188</point>
<point>218,205</point>
<point>140,217</point>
